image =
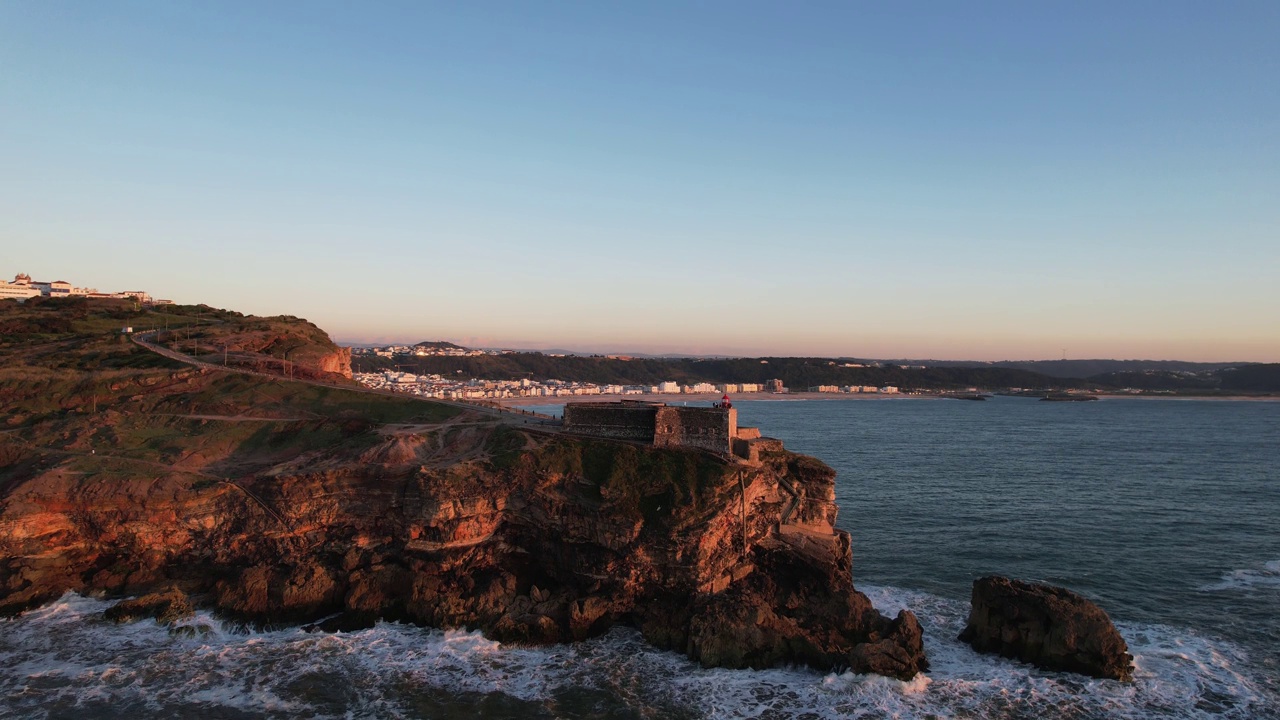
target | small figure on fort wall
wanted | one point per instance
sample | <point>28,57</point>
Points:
<point>724,403</point>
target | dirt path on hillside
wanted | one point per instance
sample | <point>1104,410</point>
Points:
<point>507,415</point>
<point>239,418</point>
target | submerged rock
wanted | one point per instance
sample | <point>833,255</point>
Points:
<point>165,608</point>
<point>197,630</point>
<point>1047,626</point>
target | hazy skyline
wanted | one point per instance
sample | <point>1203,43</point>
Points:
<point>982,181</point>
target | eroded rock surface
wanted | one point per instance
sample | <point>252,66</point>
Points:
<point>1048,626</point>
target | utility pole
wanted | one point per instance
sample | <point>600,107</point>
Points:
<point>196,345</point>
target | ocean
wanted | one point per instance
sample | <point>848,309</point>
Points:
<point>1166,512</point>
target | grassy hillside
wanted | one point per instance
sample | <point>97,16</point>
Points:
<point>83,326</point>
<point>77,395</point>
<point>281,344</point>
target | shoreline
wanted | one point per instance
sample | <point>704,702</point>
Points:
<point>709,398</point>
<point>675,398</point>
<point>1215,398</point>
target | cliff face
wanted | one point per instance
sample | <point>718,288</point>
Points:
<point>283,345</point>
<point>338,361</point>
<point>531,537</point>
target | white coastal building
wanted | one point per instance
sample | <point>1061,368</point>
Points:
<point>20,289</point>
<point>24,287</point>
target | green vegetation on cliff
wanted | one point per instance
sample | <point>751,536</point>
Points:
<point>75,390</point>
<point>644,478</point>
<point>87,334</point>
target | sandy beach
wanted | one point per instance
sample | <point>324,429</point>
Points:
<point>709,398</point>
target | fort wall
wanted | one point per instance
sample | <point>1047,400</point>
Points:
<point>714,429</point>
<point>616,421</point>
<point>705,428</point>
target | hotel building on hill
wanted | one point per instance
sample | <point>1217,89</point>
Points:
<point>24,287</point>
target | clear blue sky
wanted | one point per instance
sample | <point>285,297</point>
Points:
<point>950,180</point>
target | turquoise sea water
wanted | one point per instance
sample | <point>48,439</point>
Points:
<point>1166,512</point>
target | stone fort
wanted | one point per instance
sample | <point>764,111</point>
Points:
<point>714,429</point>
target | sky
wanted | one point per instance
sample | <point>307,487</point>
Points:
<point>973,180</point>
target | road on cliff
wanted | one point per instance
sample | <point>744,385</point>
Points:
<point>513,416</point>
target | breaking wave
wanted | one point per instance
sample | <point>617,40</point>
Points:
<point>1249,579</point>
<point>64,659</point>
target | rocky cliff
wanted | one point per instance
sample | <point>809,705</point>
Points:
<point>282,345</point>
<point>532,537</point>
<point>338,362</point>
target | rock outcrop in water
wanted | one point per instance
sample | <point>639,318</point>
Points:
<point>1048,626</point>
<point>532,537</point>
<point>163,607</point>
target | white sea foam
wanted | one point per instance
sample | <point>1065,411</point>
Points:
<point>64,659</point>
<point>1266,578</point>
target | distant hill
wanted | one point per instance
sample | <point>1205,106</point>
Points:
<point>1256,378</point>
<point>1159,380</point>
<point>1084,368</point>
<point>801,373</point>
<point>796,373</point>
<point>1252,378</point>
<point>439,345</point>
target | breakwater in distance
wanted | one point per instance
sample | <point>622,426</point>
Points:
<point>1162,511</point>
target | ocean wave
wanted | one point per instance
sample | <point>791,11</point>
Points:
<point>1248,579</point>
<point>64,658</point>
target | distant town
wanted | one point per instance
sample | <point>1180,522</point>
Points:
<point>440,387</point>
<point>443,370</point>
<point>23,288</point>
<point>446,388</point>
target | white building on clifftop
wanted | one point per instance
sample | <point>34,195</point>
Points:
<point>20,289</point>
<point>24,287</point>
